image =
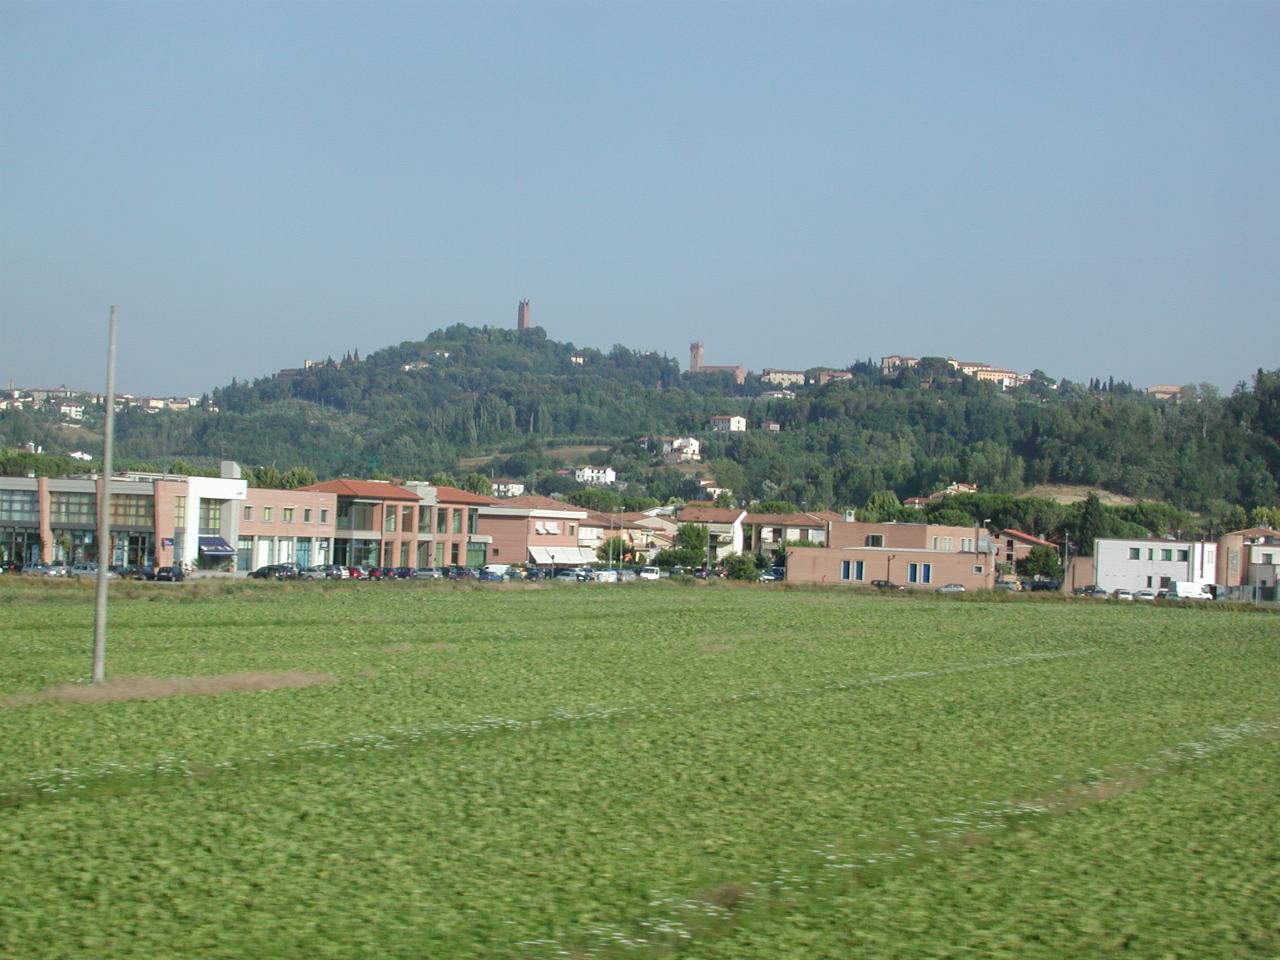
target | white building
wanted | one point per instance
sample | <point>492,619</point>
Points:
<point>728,424</point>
<point>80,455</point>
<point>505,488</point>
<point>597,476</point>
<point>783,378</point>
<point>72,411</point>
<point>1152,564</point>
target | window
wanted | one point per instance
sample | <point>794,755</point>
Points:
<point>966,544</point>
<point>388,521</point>
<point>845,569</point>
<point>73,507</point>
<point>19,506</point>
<point>553,526</point>
<point>1135,553</point>
<point>978,568</point>
<point>324,516</point>
<point>442,520</point>
<point>857,570</point>
<point>1268,558</point>
<point>424,521</point>
<point>210,517</point>
<point>306,516</point>
<point>473,518</point>
<point>1164,582</point>
<point>132,510</point>
<point>453,554</point>
<point>927,572</point>
<point>286,515</point>
<point>406,522</point>
<point>266,514</point>
<point>1166,554</point>
<point>248,513</point>
<point>179,512</point>
<point>539,527</point>
<point>1183,556</point>
<point>1148,581</point>
<point>913,573</point>
<point>455,523</point>
<point>935,543</point>
<point>947,543</point>
<point>1151,554</point>
<point>875,540</point>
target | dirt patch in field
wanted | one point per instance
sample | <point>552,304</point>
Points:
<point>158,688</point>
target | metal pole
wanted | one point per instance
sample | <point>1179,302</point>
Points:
<point>104,513</point>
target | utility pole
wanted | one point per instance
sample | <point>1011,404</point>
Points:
<point>104,513</point>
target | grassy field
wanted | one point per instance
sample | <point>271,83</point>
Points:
<point>710,771</point>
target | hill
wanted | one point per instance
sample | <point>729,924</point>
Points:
<point>463,392</point>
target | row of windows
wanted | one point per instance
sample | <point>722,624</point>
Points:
<point>19,506</point>
<point>286,514</point>
<point>855,571</point>
<point>127,509</point>
<point>1166,553</point>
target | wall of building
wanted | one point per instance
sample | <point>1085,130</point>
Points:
<point>824,565</point>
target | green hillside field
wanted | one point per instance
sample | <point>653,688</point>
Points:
<point>707,770</point>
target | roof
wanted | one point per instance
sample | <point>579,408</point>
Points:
<point>709,515</point>
<point>785,520</point>
<point>615,521</point>
<point>1026,538</point>
<point>1254,532</point>
<point>454,495</point>
<point>533,501</point>
<point>364,489</point>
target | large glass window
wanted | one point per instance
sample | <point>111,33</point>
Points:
<point>179,513</point>
<point>875,539</point>
<point>442,519</point>
<point>388,519</point>
<point>286,514</point>
<point>244,553</point>
<point>1135,553</point>
<point>72,507</point>
<point>456,525</point>
<point>406,521</point>
<point>353,515</point>
<point>473,517</point>
<point>210,517</point>
<point>19,506</point>
<point>304,552</point>
<point>132,510</point>
<point>424,521</point>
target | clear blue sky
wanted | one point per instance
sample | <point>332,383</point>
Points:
<point>1087,188</point>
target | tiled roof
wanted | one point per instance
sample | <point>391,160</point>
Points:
<point>454,495</point>
<point>709,515</point>
<point>364,489</point>
<point>784,520</point>
<point>533,501</point>
<point>1026,538</point>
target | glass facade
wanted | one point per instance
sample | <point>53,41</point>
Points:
<point>210,518</point>
<point>72,508</point>
<point>19,506</point>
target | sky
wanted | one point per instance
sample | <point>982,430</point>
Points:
<point>1089,189</point>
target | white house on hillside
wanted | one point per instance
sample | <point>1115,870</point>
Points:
<point>723,423</point>
<point>1151,564</point>
<point>598,476</point>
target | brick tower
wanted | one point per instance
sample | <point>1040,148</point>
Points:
<point>522,315</point>
<point>695,356</point>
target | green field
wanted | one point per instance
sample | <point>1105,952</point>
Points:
<point>708,771</point>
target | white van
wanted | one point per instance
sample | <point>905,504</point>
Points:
<point>650,573</point>
<point>1188,590</point>
<point>499,568</point>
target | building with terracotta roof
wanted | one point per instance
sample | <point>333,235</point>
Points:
<point>725,534</point>
<point>376,523</point>
<point>535,529</point>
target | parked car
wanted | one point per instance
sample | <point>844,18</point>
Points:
<point>37,569</point>
<point>569,574</point>
<point>1038,586</point>
<point>1123,594</point>
<point>58,568</point>
<point>887,585</point>
<point>952,588</point>
<point>1095,592</point>
<point>627,575</point>
<point>489,576</point>
<point>1145,595</point>
<point>314,573</point>
<point>650,573</point>
<point>1013,586</point>
<point>406,573</point>
<point>430,573</point>
<point>605,576</point>
<point>170,574</point>
<point>274,571</point>
<point>772,575</point>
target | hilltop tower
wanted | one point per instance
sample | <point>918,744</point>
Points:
<point>695,356</point>
<point>522,315</point>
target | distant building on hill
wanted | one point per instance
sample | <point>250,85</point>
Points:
<point>696,364</point>
<point>522,315</point>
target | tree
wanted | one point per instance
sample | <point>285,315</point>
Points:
<point>881,506</point>
<point>1092,524</point>
<point>475,483</point>
<point>742,566</point>
<point>1041,562</point>
<point>692,537</point>
<point>612,550</point>
<point>724,499</point>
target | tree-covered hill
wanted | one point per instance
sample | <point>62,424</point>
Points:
<point>417,408</point>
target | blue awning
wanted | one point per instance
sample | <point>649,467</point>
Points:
<point>216,547</point>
